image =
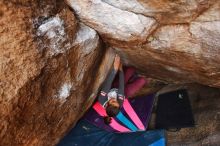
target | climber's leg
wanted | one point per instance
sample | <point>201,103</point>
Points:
<point>132,88</point>
<point>132,83</point>
<point>128,73</point>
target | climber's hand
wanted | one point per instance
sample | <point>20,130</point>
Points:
<point>116,62</point>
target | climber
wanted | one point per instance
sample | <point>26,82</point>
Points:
<point>112,96</point>
<point>112,99</point>
<point>129,117</point>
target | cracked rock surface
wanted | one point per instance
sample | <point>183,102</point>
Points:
<point>173,41</point>
<point>113,23</point>
<point>47,61</point>
<point>165,11</point>
<point>54,55</point>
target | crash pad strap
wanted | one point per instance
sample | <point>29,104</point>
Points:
<point>114,124</point>
<point>126,122</point>
<point>132,114</point>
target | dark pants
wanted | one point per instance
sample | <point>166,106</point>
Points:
<point>85,134</point>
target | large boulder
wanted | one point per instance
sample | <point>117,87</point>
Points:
<point>53,59</point>
<point>165,11</point>
<point>113,24</point>
<point>170,40</point>
<point>51,68</point>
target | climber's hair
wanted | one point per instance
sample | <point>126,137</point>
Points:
<point>111,111</point>
<point>107,120</point>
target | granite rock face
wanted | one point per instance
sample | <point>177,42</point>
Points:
<point>113,24</point>
<point>48,67</point>
<point>165,11</point>
<point>180,41</point>
<point>53,58</point>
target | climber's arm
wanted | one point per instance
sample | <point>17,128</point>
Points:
<point>106,86</point>
<point>121,86</point>
<point>108,82</point>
